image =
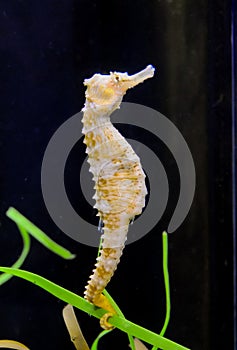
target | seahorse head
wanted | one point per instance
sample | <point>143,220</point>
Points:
<point>107,91</point>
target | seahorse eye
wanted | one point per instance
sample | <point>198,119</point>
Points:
<point>117,78</point>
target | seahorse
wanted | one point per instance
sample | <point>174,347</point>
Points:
<point>120,188</point>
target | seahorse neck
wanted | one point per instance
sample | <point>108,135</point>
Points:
<point>94,117</point>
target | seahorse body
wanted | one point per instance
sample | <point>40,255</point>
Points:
<point>119,179</point>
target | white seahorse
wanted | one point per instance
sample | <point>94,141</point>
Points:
<point>117,173</point>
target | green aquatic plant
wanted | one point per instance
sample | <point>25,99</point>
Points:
<point>133,330</point>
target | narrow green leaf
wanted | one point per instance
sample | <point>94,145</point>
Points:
<point>26,248</point>
<point>96,341</point>
<point>38,234</point>
<point>166,280</point>
<point>77,301</point>
<point>167,284</point>
<point>57,291</point>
